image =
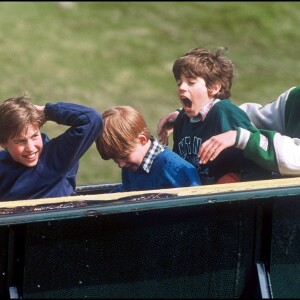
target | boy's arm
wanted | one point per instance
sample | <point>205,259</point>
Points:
<point>269,146</point>
<point>269,149</point>
<point>258,146</point>
<point>276,119</point>
<point>84,124</point>
<point>270,116</point>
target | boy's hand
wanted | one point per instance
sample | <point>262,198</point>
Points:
<point>165,127</point>
<point>211,148</point>
<point>40,108</point>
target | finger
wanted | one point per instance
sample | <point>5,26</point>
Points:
<point>211,154</point>
<point>214,156</point>
<point>202,153</point>
<point>216,153</point>
<point>205,154</point>
<point>163,139</point>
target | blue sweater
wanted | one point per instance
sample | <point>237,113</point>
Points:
<point>56,171</point>
<point>168,170</point>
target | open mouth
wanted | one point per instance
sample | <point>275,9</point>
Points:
<point>186,102</point>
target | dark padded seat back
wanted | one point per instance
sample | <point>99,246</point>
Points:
<point>3,261</point>
<point>285,250</point>
<point>203,251</point>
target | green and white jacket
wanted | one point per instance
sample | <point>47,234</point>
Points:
<point>274,142</point>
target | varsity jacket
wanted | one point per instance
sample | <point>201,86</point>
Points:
<point>55,173</point>
<point>274,142</point>
<point>189,135</point>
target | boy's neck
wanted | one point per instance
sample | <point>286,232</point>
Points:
<point>204,111</point>
<point>147,146</point>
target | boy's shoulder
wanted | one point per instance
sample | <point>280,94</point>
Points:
<point>228,113</point>
<point>3,154</point>
<point>170,155</point>
<point>226,105</point>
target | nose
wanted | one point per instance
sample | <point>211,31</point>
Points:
<point>182,86</point>
<point>120,163</point>
<point>30,146</point>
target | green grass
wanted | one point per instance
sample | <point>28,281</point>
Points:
<point>103,54</point>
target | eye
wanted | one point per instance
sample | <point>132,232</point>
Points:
<point>178,83</point>
<point>19,142</point>
<point>191,82</point>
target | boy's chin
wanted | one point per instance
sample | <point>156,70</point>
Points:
<point>191,114</point>
<point>132,168</point>
<point>31,165</point>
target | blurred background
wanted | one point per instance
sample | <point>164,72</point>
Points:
<point>103,54</point>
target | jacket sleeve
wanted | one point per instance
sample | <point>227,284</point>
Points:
<point>270,116</point>
<point>270,146</point>
<point>258,147</point>
<point>271,150</point>
<point>66,149</point>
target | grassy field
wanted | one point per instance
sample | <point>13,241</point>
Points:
<point>103,54</point>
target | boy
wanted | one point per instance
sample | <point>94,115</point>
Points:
<point>32,166</point>
<point>146,164</point>
<point>274,144</point>
<point>204,81</point>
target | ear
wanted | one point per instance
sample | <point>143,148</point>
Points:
<point>142,139</point>
<point>214,90</point>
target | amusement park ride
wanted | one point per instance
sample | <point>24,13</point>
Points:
<point>236,240</point>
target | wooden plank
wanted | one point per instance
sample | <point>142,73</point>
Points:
<point>180,192</point>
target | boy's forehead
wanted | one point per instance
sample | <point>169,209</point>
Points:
<point>26,132</point>
<point>187,77</point>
